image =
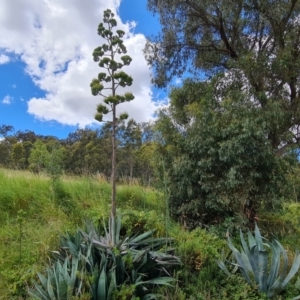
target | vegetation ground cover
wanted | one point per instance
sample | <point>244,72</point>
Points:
<point>32,221</point>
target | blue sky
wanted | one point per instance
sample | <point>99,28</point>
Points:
<point>46,64</point>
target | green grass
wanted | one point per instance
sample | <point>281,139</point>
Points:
<point>34,212</point>
<point>25,244</point>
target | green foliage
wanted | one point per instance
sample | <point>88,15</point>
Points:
<point>123,266</point>
<point>130,137</point>
<point>36,231</point>
<point>198,248</point>
<point>17,155</point>
<point>253,260</point>
<point>283,224</point>
<point>253,42</point>
<point>215,157</point>
<point>43,220</point>
<point>135,221</point>
<point>85,151</point>
<point>39,157</point>
<point>54,164</point>
<point>199,277</point>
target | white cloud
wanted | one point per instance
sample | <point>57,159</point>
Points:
<point>4,59</point>
<point>7,99</point>
<point>178,81</point>
<point>56,39</point>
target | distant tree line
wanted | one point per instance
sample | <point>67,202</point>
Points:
<point>83,152</point>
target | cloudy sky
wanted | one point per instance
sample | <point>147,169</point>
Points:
<point>46,63</point>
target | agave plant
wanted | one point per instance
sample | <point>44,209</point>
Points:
<point>62,281</point>
<point>259,270</point>
<point>112,262</point>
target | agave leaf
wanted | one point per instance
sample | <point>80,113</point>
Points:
<point>101,244</point>
<point>262,270</point>
<point>94,284</point>
<point>118,229</point>
<point>120,270</point>
<point>102,283</point>
<point>276,288</point>
<point>282,274</point>
<point>64,271</point>
<point>113,285</point>
<point>50,290</point>
<point>146,258</point>
<point>88,259</point>
<point>105,229</point>
<point>240,261</point>
<point>39,292</point>
<point>258,238</point>
<point>254,252</point>
<point>158,281</point>
<point>293,270</point>
<point>141,237</point>
<point>139,256</point>
<point>80,282</point>
<point>244,244</point>
<point>247,251</point>
<point>165,260</point>
<point>112,230</point>
<point>89,253</point>
<point>223,267</point>
<point>56,276</point>
<point>43,280</point>
<point>251,240</point>
<point>62,285</point>
<point>152,243</point>
<point>92,233</point>
<point>246,261</point>
<point>74,249</point>
<point>73,275</point>
<point>275,264</point>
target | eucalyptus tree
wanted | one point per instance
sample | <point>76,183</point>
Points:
<point>256,43</point>
<point>215,158</point>
<point>130,138</point>
<point>39,157</point>
<point>6,143</point>
<point>111,79</point>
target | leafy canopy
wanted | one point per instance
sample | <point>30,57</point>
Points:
<point>255,42</point>
<point>216,155</point>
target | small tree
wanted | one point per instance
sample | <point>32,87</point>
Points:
<point>105,55</point>
<point>39,157</point>
<point>17,155</point>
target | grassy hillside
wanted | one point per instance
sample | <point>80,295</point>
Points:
<point>34,212</point>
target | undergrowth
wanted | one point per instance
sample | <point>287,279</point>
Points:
<point>34,212</point>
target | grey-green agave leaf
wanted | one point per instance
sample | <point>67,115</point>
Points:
<point>269,274</point>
